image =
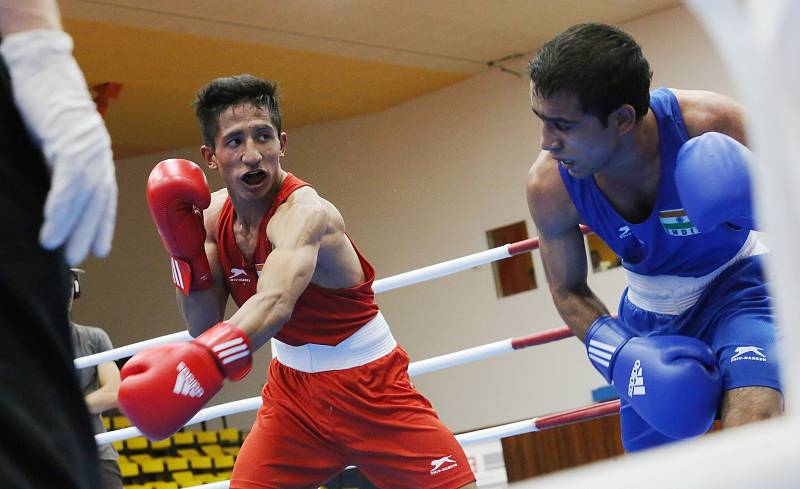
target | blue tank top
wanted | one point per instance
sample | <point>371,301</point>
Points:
<point>666,243</point>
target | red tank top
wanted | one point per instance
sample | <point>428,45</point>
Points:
<point>322,316</point>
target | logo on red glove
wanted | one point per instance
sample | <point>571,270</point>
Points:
<point>186,384</point>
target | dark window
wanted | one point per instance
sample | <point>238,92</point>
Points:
<point>515,274</point>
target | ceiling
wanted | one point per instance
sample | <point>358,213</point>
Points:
<point>332,58</point>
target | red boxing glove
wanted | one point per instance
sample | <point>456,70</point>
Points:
<point>177,193</point>
<point>165,386</point>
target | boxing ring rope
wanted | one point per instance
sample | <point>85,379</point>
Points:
<point>531,425</point>
<point>129,350</point>
<point>389,283</point>
<point>383,285</point>
<point>415,368</point>
<point>458,264</point>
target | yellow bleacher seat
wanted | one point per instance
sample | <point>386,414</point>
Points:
<point>200,463</point>
<point>127,469</point>
<point>140,457</point>
<point>189,452</point>
<point>164,444</point>
<point>152,467</point>
<point>231,451</point>
<point>229,436</point>
<point>182,475</point>
<point>212,450</point>
<point>206,437</point>
<point>225,475</point>
<point>207,478</point>
<point>190,483</point>
<point>184,438</point>
<point>106,422</point>
<point>119,422</point>
<point>223,462</point>
<point>137,444</point>
<point>185,479</point>
<point>164,485</point>
<point>119,446</point>
<point>176,464</point>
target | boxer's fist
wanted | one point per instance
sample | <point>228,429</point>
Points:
<point>177,193</point>
<point>672,382</point>
<point>163,387</point>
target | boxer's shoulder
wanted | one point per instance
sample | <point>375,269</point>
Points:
<point>304,198</point>
<point>704,111</point>
<point>543,176</point>
<point>548,199</point>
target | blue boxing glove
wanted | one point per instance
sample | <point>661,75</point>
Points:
<point>712,175</point>
<point>672,382</point>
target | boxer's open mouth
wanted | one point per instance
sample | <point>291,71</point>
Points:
<point>254,177</point>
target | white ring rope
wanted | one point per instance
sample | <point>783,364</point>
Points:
<point>459,357</point>
<point>129,350</point>
<point>383,285</point>
<point>389,283</point>
<point>415,368</point>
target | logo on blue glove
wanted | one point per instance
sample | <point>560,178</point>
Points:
<point>636,382</point>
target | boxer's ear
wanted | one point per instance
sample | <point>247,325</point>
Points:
<point>208,156</point>
<point>282,139</point>
<point>622,119</point>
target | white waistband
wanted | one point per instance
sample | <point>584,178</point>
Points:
<point>371,342</point>
<point>670,294</point>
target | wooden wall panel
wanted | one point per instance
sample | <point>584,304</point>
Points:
<point>539,453</point>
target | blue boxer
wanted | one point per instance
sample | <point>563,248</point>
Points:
<point>663,177</point>
<point>692,270</point>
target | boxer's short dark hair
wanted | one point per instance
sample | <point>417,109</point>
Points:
<point>223,93</point>
<point>600,64</point>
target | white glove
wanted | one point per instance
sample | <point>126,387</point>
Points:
<point>54,101</point>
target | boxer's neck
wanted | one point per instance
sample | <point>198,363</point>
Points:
<point>637,159</point>
<point>250,212</point>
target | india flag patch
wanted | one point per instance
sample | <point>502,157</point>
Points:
<point>676,223</point>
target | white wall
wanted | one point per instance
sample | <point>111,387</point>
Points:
<point>418,184</point>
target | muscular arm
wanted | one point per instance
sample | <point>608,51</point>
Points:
<point>561,247</point>
<point>705,111</point>
<point>105,397</point>
<point>202,309</point>
<point>296,231</point>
